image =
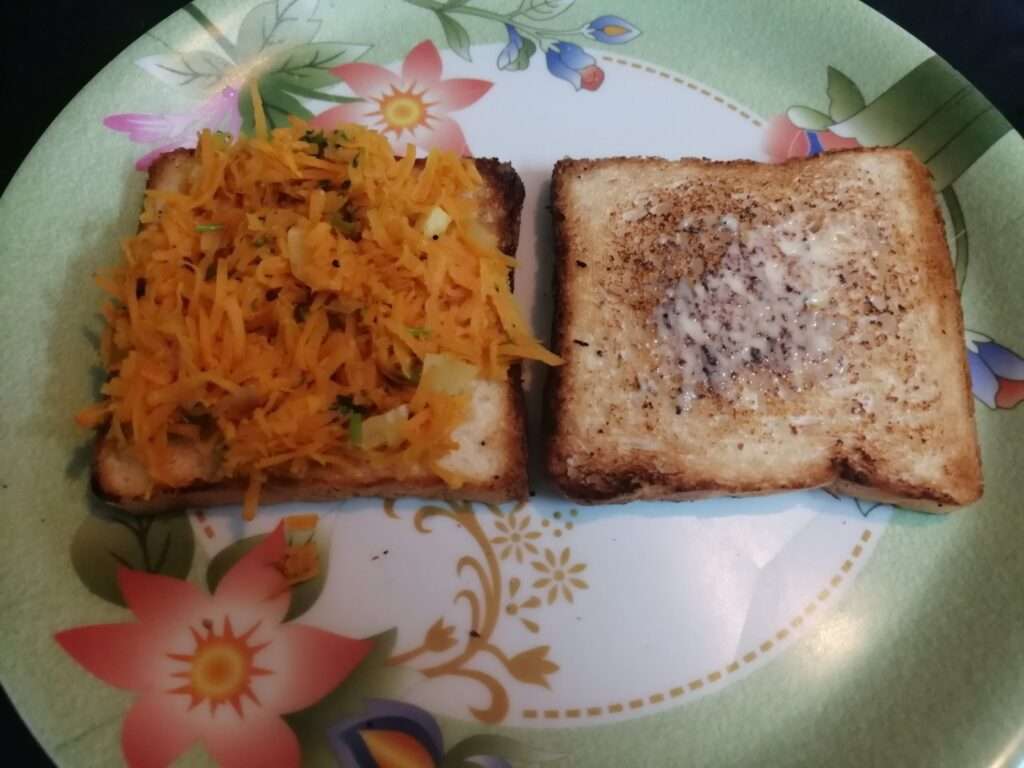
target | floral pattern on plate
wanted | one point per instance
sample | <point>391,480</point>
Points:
<point>410,106</point>
<point>997,372</point>
<point>219,668</point>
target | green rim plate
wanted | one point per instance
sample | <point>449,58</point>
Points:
<point>800,629</point>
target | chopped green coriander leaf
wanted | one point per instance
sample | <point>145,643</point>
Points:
<point>208,227</point>
<point>317,138</point>
<point>355,427</point>
<point>419,333</point>
<point>346,226</point>
<point>345,405</point>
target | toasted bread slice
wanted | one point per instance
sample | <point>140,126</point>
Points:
<point>733,328</point>
<point>492,442</point>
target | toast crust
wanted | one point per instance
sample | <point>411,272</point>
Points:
<point>592,466</point>
<point>498,431</point>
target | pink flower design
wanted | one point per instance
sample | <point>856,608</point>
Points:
<point>174,130</point>
<point>783,140</point>
<point>220,669</point>
<point>412,106</point>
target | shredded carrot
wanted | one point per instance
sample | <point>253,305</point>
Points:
<point>289,293</point>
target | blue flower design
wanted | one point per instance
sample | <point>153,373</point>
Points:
<point>574,65</point>
<point>612,30</point>
<point>357,741</point>
<point>393,732</point>
<point>997,373</point>
<point>517,53</point>
<point>511,51</point>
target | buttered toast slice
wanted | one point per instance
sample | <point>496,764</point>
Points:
<point>491,453</point>
<point>733,328</point>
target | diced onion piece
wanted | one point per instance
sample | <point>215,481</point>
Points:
<point>385,429</point>
<point>436,223</point>
<point>445,374</point>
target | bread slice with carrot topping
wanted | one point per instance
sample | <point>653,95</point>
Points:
<point>305,316</point>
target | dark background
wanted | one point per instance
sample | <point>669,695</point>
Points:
<point>984,39</point>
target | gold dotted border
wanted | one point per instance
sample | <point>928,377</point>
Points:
<point>688,83</point>
<point>716,676</point>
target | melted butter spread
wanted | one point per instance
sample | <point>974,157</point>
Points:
<point>759,321</point>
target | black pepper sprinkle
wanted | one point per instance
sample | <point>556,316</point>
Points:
<point>580,343</point>
<point>581,264</point>
<point>473,633</point>
<point>140,288</point>
<point>335,263</point>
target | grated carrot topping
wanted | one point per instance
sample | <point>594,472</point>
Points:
<point>290,294</point>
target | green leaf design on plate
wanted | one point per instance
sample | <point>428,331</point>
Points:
<point>961,258</point>
<point>456,34</point>
<point>512,750</point>
<point>904,107</point>
<point>275,23</point>
<point>278,103</point>
<point>542,10</point>
<point>109,539</point>
<point>304,594</point>
<point>809,119</point>
<point>965,145</point>
<point>374,678</point>
<point>934,112</point>
<point>309,65</point>
<point>196,69</point>
<point>844,97</point>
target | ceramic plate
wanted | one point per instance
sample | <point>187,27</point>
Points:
<point>794,629</point>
